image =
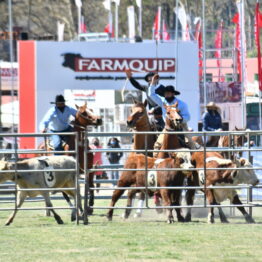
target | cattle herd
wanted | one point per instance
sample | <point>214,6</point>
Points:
<point>43,172</point>
<point>150,176</point>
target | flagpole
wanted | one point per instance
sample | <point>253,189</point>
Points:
<point>11,49</point>
<point>79,19</point>
<point>110,18</point>
<point>140,19</point>
<point>204,51</point>
<point>176,35</point>
<point>116,21</point>
<point>242,63</point>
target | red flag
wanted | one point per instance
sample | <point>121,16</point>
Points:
<point>108,29</point>
<point>166,35</point>
<point>83,26</point>
<point>218,45</point>
<point>236,21</point>
<point>157,24</point>
<point>198,37</point>
<point>258,25</point>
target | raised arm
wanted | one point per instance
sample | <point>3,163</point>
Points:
<point>134,83</point>
<point>152,92</point>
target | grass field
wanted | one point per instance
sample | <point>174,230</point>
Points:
<point>34,237</point>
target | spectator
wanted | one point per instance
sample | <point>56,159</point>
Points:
<point>211,121</point>
<point>114,157</point>
<point>97,160</point>
<point>211,118</point>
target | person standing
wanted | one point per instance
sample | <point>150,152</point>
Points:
<point>97,160</point>
<point>114,157</point>
<point>57,120</point>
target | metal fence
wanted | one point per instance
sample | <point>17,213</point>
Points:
<point>15,151</point>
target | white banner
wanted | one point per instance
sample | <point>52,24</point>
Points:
<point>139,3</point>
<point>131,22</point>
<point>60,31</point>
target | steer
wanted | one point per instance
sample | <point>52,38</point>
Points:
<point>45,179</point>
<point>170,178</point>
<point>226,178</point>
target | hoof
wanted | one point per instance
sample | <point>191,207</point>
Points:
<point>225,221</point>
<point>137,215</point>
<point>188,218</point>
<point>250,220</point>
<point>170,221</point>
<point>60,221</point>
<point>109,218</point>
<point>90,211</point>
<point>181,219</point>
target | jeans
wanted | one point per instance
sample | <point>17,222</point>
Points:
<point>58,140</point>
<point>114,174</point>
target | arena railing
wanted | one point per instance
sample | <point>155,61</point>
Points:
<point>249,202</point>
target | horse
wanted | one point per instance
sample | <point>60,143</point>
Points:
<point>138,121</point>
<point>137,161</point>
<point>84,117</point>
<point>232,141</point>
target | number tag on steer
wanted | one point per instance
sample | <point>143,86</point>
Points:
<point>152,179</point>
<point>201,177</point>
<point>50,178</point>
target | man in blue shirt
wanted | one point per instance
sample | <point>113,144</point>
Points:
<point>211,122</point>
<point>169,98</point>
<point>57,120</point>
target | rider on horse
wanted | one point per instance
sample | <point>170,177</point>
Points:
<point>155,112</point>
<point>56,120</point>
<point>169,98</point>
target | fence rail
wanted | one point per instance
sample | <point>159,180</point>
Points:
<point>16,151</point>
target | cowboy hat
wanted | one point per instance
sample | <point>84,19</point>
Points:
<point>171,89</point>
<point>212,105</point>
<point>58,99</point>
<point>150,74</point>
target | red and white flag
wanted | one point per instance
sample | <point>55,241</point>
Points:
<point>83,25</point>
<point>258,25</point>
<point>198,38</point>
<point>235,20</point>
<point>157,25</point>
<point>166,35</point>
<point>218,46</point>
<point>239,20</point>
<point>182,17</point>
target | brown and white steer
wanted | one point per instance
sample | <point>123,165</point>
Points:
<point>45,179</point>
<point>226,178</point>
<point>172,178</point>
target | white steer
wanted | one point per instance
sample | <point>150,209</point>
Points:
<point>247,176</point>
<point>45,179</point>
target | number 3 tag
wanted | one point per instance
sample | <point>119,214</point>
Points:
<point>50,178</point>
